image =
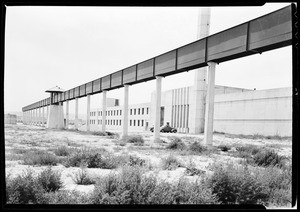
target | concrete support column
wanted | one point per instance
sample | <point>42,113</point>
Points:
<point>157,109</point>
<point>35,116</point>
<point>104,111</point>
<point>43,117</point>
<point>209,110</point>
<point>55,118</point>
<point>125,111</point>
<point>67,115</point>
<point>76,114</point>
<point>40,117</point>
<point>88,112</point>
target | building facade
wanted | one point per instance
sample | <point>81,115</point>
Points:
<point>237,111</point>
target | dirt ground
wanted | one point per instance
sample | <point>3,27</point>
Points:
<point>25,137</point>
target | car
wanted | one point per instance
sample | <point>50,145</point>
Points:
<point>166,128</point>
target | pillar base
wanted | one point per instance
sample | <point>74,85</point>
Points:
<point>55,117</point>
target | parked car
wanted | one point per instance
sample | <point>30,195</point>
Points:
<point>166,128</point>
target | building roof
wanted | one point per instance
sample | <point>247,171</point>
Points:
<point>55,89</point>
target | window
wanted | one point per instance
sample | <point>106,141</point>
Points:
<point>142,123</point>
<point>116,122</point>
<point>130,111</point>
<point>139,110</point>
<point>100,113</point>
<point>142,111</point>
<point>98,122</point>
<point>134,111</point>
<point>130,122</point>
<point>138,123</point>
<point>120,112</point>
<point>120,123</point>
<point>117,112</point>
<point>133,122</point>
<point>147,110</point>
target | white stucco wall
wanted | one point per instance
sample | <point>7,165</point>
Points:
<point>264,112</point>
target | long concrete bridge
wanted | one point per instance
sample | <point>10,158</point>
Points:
<point>268,32</point>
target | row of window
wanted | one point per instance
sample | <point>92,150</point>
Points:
<point>136,111</point>
<point>139,123</point>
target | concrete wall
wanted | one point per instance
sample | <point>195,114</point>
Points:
<point>10,119</point>
<point>264,112</point>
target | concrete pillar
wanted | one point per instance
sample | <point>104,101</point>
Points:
<point>76,114</point>
<point>125,111</point>
<point>43,117</point>
<point>209,110</point>
<point>67,115</point>
<point>55,118</point>
<point>88,112</point>
<point>197,106</point>
<point>103,111</point>
<point>40,117</point>
<point>157,109</point>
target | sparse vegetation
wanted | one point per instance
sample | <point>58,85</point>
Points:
<point>39,157</point>
<point>170,163</point>
<point>130,187</point>
<point>81,177</point>
<point>50,180</point>
<point>269,158</point>
<point>196,147</point>
<point>176,143</point>
<point>134,139</point>
<point>138,173</point>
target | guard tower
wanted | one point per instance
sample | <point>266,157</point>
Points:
<point>55,119</point>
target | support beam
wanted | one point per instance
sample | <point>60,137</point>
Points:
<point>55,118</point>
<point>76,114</point>
<point>88,109</point>
<point>157,109</point>
<point>103,111</point>
<point>209,110</point>
<point>67,115</point>
<point>125,111</point>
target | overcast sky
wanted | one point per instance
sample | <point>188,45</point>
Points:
<point>69,46</point>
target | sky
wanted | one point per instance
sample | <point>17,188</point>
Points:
<point>69,46</point>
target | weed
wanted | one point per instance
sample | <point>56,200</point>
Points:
<point>269,158</point>
<point>196,147</point>
<point>50,180</point>
<point>224,148</point>
<point>135,139</point>
<point>23,189</point>
<point>63,151</point>
<point>82,178</point>
<point>170,163</point>
<point>136,161</point>
<point>176,143</point>
<point>235,185</point>
<point>64,197</point>
<point>39,157</point>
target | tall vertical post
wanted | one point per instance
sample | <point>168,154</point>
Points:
<point>88,112</point>
<point>157,109</point>
<point>209,110</point>
<point>76,114</point>
<point>197,109</point>
<point>125,111</point>
<point>103,111</point>
<point>43,117</point>
<point>40,117</point>
<point>67,115</point>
